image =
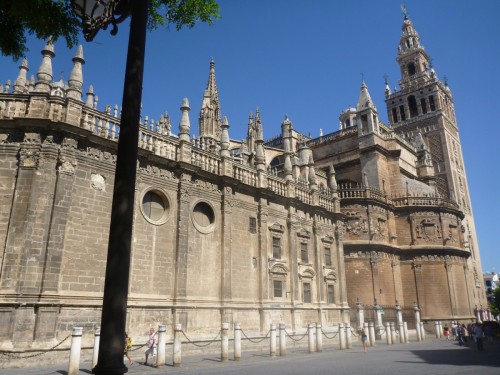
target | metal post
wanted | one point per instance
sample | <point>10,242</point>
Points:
<point>319,338</point>
<point>74,354</point>
<point>224,342</point>
<point>95,354</point>
<point>341,336</point>
<point>348,337</point>
<point>160,358</point>
<point>272,349</point>
<point>388,335</point>
<point>371,333</point>
<point>177,347</point>
<point>310,338</point>
<point>282,340</point>
<point>237,341</point>
<point>114,306</point>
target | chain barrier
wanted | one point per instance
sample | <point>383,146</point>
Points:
<point>330,338</point>
<point>305,334</point>
<point>353,331</point>
<point>258,340</point>
<point>13,356</point>
<point>202,345</point>
<point>140,347</point>
<point>381,331</point>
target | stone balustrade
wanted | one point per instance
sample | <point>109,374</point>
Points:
<point>106,124</point>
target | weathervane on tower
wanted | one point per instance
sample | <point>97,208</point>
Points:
<point>405,11</point>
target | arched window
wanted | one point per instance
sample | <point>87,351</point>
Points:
<point>412,106</point>
<point>431,103</point>
<point>394,115</point>
<point>411,69</point>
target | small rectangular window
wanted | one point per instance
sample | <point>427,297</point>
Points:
<point>276,248</point>
<point>278,288</point>
<point>331,294</point>
<point>252,225</point>
<point>304,256</point>
<point>307,292</point>
<point>328,256</point>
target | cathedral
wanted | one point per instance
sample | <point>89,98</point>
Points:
<point>291,229</point>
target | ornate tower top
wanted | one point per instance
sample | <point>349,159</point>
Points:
<point>412,58</point>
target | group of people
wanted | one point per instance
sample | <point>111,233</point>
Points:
<point>151,345</point>
<point>473,331</point>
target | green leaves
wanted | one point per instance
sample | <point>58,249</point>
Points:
<point>53,19</point>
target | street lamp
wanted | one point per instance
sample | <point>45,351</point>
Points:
<point>97,14</point>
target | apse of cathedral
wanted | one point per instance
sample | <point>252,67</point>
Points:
<point>291,229</point>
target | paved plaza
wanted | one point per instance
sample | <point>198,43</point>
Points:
<point>429,357</point>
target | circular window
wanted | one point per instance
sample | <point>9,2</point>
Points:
<point>155,207</point>
<point>203,217</point>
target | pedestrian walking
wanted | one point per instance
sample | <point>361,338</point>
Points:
<point>151,344</point>
<point>478,334</point>
<point>446,331</point>
<point>128,346</point>
<point>364,339</point>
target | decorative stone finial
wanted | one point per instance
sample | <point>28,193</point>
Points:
<point>44,74</point>
<point>224,139</point>
<point>184,125</point>
<point>90,97</point>
<point>20,83</point>
<point>75,81</point>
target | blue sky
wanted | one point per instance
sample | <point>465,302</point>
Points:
<point>305,58</point>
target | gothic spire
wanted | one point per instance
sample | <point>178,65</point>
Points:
<point>210,114</point>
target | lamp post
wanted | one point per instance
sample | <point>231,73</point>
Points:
<point>96,15</point>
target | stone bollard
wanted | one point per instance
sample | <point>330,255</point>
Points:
<point>177,347</point>
<point>237,341</point>
<point>224,339</point>
<point>160,351</point>
<point>436,327</point>
<point>310,338</point>
<point>371,333</point>
<point>394,339</point>
<point>417,331</point>
<point>348,337</point>
<point>319,338</point>
<point>388,335</point>
<point>97,339</point>
<point>282,340</point>
<point>402,339</point>
<point>367,332</point>
<point>440,329</point>
<point>74,354</point>
<point>272,350</point>
<point>422,331</point>
<point>405,331</point>
<point>341,336</point>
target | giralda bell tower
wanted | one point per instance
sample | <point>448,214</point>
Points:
<point>423,103</point>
